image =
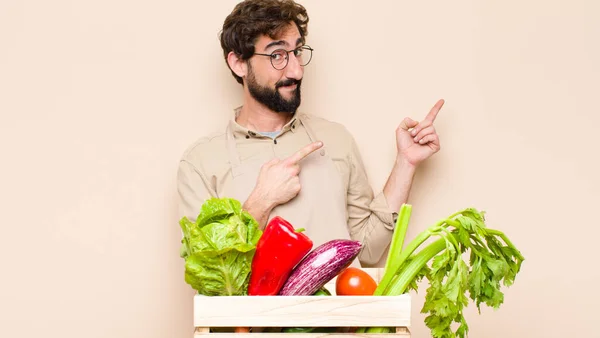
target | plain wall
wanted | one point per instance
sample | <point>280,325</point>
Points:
<point>98,100</point>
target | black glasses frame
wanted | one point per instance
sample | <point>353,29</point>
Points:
<point>287,53</point>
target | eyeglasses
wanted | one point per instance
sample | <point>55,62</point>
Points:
<point>280,57</point>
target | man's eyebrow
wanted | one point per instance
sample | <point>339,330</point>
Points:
<point>281,43</point>
<point>275,43</point>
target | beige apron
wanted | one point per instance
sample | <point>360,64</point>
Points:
<point>324,218</point>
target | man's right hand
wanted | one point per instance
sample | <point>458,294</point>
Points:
<point>278,182</point>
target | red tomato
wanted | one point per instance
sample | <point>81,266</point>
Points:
<point>354,282</point>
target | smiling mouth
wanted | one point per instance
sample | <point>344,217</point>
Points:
<point>288,84</point>
<point>293,86</point>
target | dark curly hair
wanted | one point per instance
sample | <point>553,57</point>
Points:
<point>252,18</point>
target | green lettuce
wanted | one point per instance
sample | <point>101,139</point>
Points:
<point>218,248</point>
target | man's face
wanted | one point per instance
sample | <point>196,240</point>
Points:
<point>278,90</point>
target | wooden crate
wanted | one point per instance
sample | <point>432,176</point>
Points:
<point>303,311</point>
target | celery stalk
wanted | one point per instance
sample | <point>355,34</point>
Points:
<point>393,268</point>
<point>398,237</point>
<point>374,330</point>
<point>403,280</point>
<point>411,270</point>
<point>397,256</point>
<point>399,233</point>
<point>452,281</point>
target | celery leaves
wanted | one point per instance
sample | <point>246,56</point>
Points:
<point>493,261</point>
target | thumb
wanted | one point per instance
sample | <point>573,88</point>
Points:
<point>408,123</point>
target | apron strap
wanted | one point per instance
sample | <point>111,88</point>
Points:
<point>234,157</point>
<point>311,134</point>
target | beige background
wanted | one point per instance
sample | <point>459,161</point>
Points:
<point>98,99</point>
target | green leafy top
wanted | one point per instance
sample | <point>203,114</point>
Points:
<point>218,248</point>
<point>493,260</point>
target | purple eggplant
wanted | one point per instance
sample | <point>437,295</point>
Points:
<point>320,266</point>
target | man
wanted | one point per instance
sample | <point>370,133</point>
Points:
<point>278,161</point>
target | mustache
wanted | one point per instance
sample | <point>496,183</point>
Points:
<point>288,82</point>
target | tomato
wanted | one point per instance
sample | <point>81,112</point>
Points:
<point>354,282</point>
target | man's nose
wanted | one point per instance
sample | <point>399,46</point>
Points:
<point>294,70</point>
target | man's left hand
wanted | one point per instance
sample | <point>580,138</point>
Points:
<point>417,141</point>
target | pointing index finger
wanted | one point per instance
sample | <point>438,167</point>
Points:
<point>434,111</point>
<point>302,153</point>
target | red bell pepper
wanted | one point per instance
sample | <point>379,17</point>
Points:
<point>278,250</point>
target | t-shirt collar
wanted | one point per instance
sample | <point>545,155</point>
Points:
<point>240,131</point>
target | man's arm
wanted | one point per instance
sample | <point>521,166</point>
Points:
<point>277,183</point>
<point>370,217</point>
<point>416,142</point>
<point>257,206</point>
<point>193,189</point>
<point>397,188</point>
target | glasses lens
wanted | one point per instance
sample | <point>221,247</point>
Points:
<point>304,55</point>
<point>279,59</point>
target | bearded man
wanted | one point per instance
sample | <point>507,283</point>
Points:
<point>278,161</point>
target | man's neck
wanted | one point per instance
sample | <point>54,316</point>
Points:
<point>256,116</point>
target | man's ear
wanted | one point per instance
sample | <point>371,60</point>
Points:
<point>237,65</point>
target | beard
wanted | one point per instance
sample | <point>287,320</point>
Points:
<point>271,98</point>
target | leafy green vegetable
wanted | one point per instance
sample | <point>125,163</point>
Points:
<point>218,248</point>
<point>493,260</point>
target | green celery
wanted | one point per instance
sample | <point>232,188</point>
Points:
<point>393,271</point>
<point>412,269</point>
<point>399,233</point>
<point>398,256</point>
<point>493,259</point>
<point>397,240</point>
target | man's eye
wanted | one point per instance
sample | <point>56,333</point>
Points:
<point>277,56</point>
<point>298,52</point>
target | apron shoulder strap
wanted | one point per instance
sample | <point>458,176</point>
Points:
<point>311,133</point>
<point>233,155</point>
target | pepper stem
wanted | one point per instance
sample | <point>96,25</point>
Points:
<point>300,229</point>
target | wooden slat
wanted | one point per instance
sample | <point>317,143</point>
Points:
<point>402,330</point>
<point>303,335</point>
<point>294,311</point>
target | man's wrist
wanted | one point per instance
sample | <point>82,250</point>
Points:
<point>260,201</point>
<point>405,165</point>
<point>259,207</point>
<point>398,185</point>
